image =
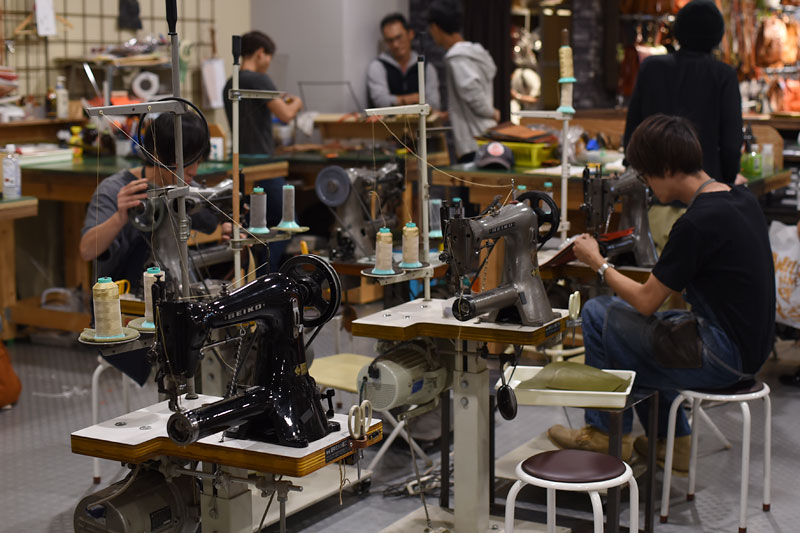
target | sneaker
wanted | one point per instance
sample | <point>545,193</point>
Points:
<point>587,438</point>
<point>680,453</point>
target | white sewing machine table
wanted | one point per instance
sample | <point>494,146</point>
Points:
<point>421,318</point>
<point>142,435</point>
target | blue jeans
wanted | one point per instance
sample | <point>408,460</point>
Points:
<point>617,336</point>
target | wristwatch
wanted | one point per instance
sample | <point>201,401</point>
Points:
<point>602,270</point>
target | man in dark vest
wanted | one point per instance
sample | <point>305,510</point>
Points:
<point>392,77</point>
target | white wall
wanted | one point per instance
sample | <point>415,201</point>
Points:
<point>323,40</point>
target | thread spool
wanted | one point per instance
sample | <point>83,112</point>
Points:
<point>258,212</point>
<point>567,73</point>
<point>150,276</point>
<point>107,315</point>
<point>288,222</point>
<point>411,246</point>
<point>383,252</point>
<point>436,219</point>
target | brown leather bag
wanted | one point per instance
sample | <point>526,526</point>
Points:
<point>10,385</point>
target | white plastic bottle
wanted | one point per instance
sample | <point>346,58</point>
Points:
<point>62,99</point>
<point>11,174</point>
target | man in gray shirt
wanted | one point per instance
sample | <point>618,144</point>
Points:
<point>120,249</point>
<point>470,75</point>
<point>392,78</point>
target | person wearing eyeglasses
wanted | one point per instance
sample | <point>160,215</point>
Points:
<point>392,77</point>
<point>718,254</point>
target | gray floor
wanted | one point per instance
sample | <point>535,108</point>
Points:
<point>42,480</point>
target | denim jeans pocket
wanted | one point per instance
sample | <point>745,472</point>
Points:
<point>676,342</point>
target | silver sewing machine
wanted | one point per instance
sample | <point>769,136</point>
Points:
<point>347,193</point>
<point>521,297</point>
<point>600,195</point>
<point>159,214</point>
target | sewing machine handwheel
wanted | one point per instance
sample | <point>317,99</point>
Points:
<point>321,285</point>
<point>148,215</point>
<point>536,200</point>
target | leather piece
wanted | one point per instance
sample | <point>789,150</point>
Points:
<point>743,387</point>
<point>573,466</point>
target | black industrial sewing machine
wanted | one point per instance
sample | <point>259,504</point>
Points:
<point>521,297</point>
<point>284,405</point>
<point>600,195</point>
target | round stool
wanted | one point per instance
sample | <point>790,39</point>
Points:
<point>741,393</point>
<point>576,471</point>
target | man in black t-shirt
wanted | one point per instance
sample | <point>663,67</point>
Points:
<point>718,255</point>
<point>255,125</point>
<point>255,116</point>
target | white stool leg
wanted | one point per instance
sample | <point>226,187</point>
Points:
<point>767,452</point>
<point>597,511</point>
<point>673,413</point>
<point>510,500</point>
<point>696,410</point>
<point>551,510</point>
<point>714,429</point>
<point>633,488</point>
<point>387,442</point>
<point>745,467</point>
<point>102,365</point>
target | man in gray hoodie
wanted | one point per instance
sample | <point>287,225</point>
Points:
<point>470,74</point>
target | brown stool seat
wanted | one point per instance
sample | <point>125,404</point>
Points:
<point>573,466</point>
<point>743,387</point>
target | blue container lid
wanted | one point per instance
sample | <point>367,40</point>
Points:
<point>288,186</point>
<point>410,225</point>
<point>384,230</point>
<point>522,187</point>
<point>258,190</point>
<point>154,270</point>
<point>456,199</point>
<point>104,280</point>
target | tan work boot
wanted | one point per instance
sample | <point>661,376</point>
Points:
<point>680,452</point>
<point>587,438</point>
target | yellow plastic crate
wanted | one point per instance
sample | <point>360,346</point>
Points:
<point>527,154</point>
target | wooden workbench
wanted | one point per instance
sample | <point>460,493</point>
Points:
<point>142,435</point>
<point>11,210</point>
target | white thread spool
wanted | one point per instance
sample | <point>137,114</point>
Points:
<point>288,221</point>
<point>150,276</point>
<point>107,315</point>
<point>258,212</point>
<point>566,72</point>
<point>411,246</point>
<point>383,252</point>
<point>436,219</point>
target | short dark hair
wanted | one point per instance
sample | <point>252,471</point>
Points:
<point>392,18</point>
<point>160,134</point>
<point>446,14</point>
<point>664,144</point>
<point>253,40</point>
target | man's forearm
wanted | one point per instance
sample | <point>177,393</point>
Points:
<point>98,239</point>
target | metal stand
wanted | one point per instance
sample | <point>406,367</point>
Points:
<point>422,110</point>
<point>235,94</point>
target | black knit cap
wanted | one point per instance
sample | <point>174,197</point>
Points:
<point>699,26</point>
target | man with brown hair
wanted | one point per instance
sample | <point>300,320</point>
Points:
<point>719,255</point>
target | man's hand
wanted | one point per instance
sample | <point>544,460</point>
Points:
<point>496,115</point>
<point>129,196</point>
<point>588,251</point>
<point>227,231</point>
<point>740,180</point>
<point>407,99</point>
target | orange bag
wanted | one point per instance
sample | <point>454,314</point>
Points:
<point>10,386</point>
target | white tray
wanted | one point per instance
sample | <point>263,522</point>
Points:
<point>568,398</point>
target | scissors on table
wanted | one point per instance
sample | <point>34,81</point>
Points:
<point>359,419</point>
